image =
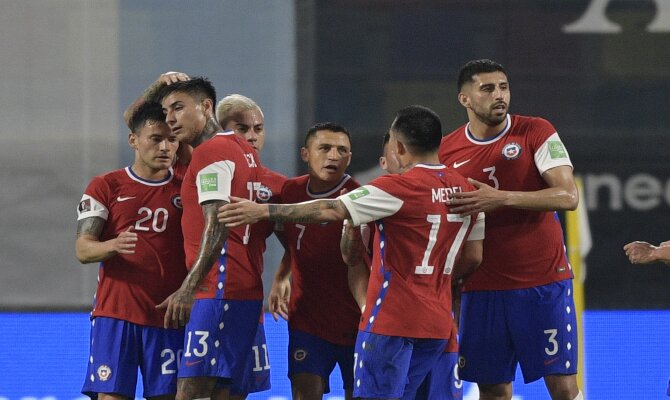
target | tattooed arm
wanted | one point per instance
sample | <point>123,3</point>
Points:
<point>178,304</point>
<point>241,212</point>
<point>89,248</point>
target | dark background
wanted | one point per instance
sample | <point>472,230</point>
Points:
<point>606,94</point>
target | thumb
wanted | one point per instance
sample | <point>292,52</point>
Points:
<point>164,304</point>
<point>343,191</point>
<point>234,199</point>
<point>130,228</point>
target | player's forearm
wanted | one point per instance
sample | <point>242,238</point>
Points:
<point>213,237</point>
<point>358,276</point>
<point>662,254</point>
<point>327,210</point>
<point>148,95</point>
<point>550,199</point>
<point>90,250</point>
<point>284,268</point>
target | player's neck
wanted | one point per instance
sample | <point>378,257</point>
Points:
<point>412,160</point>
<point>211,128</point>
<point>316,185</point>
<point>482,131</point>
<point>147,173</point>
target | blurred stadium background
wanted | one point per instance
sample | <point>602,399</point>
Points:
<point>599,70</point>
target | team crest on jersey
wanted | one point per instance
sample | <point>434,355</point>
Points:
<point>104,372</point>
<point>263,194</point>
<point>85,205</point>
<point>300,354</point>
<point>511,151</point>
<point>176,201</point>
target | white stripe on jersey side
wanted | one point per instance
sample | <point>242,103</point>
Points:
<point>498,136</point>
<point>322,195</point>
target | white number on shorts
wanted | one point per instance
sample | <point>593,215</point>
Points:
<point>202,341</point>
<point>302,231</point>
<point>257,357</point>
<point>552,340</point>
<point>166,368</point>
<point>158,226</point>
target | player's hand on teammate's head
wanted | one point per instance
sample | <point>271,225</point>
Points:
<point>171,77</point>
<point>240,212</point>
<point>126,241</point>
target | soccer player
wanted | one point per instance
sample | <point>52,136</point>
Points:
<point>407,318</point>
<point>442,381</point>
<point>322,313</point>
<point>223,286</point>
<point>129,221</point>
<point>517,306</point>
<point>243,116</point>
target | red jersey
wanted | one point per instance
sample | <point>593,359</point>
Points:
<point>321,303</point>
<point>221,167</point>
<point>269,192</point>
<point>415,247</point>
<point>523,248</point>
<point>131,285</point>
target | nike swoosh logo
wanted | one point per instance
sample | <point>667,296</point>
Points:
<point>551,361</point>
<point>191,363</point>
<point>124,198</point>
<point>458,164</point>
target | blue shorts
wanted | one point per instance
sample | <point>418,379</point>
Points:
<point>313,355</point>
<point>119,348</point>
<point>391,367</point>
<point>442,382</point>
<point>218,337</point>
<point>255,375</point>
<point>534,327</point>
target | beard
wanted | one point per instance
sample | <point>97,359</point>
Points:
<point>489,118</point>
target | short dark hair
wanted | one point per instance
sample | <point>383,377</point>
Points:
<point>325,126</point>
<point>385,141</point>
<point>199,88</point>
<point>474,67</point>
<point>420,128</point>
<point>147,112</point>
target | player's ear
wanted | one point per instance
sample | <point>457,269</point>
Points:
<point>349,160</point>
<point>382,163</point>
<point>208,108</point>
<point>401,149</point>
<point>132,140</point>
<point>304,154</point>
<point>464,99</point>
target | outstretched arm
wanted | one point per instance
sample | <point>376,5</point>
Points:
<point>646,253</point>
<point>561,195</point>
<point>178,304</point>
<point>241,212</point>
<point>89,248</point>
